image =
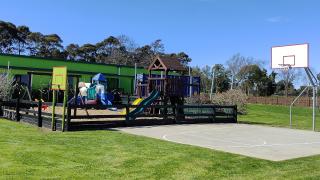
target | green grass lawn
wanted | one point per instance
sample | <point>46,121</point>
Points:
<point>279,116</point>
<point>27,152</point>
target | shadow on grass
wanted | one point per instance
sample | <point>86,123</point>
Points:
<point>254,123</point>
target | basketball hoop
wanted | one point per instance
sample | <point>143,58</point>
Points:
<point>285,67</point>
<point>295,56</point>
<point>291,56</point>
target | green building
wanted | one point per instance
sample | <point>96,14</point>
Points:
<point>118,76</point>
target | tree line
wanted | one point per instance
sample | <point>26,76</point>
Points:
<point>249,75</point>
<point>239,71</point>
<point>121,50</point>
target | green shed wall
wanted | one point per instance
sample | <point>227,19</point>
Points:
<point>24,64</point>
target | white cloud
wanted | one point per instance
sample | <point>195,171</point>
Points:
<point>277,19</point>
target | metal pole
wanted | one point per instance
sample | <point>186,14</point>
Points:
<point>314,109</point>
<point>314,83</point>
<point>294,102</point>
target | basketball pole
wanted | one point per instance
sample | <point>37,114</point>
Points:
<point>314,84</point>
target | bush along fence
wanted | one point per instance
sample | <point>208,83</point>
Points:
<point>32,112</point>
<point>281,100</point>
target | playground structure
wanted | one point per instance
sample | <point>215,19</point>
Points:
<point>96,106</point>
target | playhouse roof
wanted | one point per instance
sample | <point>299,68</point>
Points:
<point>166,64</point>
<point>99,77</point>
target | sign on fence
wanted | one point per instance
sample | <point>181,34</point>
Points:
<point>59,78</point>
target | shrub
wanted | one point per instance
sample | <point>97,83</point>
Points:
<point>202,98</point>
<point>6,85</point>
<point>232,97</point>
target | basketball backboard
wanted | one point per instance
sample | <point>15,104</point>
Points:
<point>290,56</point>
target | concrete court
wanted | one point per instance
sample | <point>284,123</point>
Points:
<point>257,141</point>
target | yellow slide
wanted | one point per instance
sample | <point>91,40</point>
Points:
<point>135,102</point>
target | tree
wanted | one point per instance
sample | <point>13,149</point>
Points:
<point>34,40</point>
<point>52,43</point>
<point>287,77</point>
<point>106,50</point>
<point>157,47</point>
<point>129,44</point>
<point>221,78</point>
<point>88,53</point>
<point>6,88</point>
<point>45,45</point>
<point>144,55</point>
<point>236,63</point>
<point>23,32</point>
<point>8,36</point>
<point>256,80</point>
<point>182,56</point>
<point>73,52</point>
<point>284,88</point>
<point>205,75</point>
<point>120,50</point>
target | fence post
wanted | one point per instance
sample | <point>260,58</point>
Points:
<point>176,113</point>
<point>235,113</point>
<point>39,113</point>
<point>18,108</point>
<point>68,117</point>
<point>128,99</point>
<point>1,108</point>
<point>127,112</point>
<point>214,114</point>
<point>165,111</point>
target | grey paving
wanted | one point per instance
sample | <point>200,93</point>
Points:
<point>263,142</point>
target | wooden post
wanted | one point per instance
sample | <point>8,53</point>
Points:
<point>235,113</point>
<point>128,99</point>
<point>176,114</point>
<point>76,96</point>
<point>165,110</point>
<point>39,113</point>
<point>18,107</point>
<point>65,97</point>
<point>127,112</point>
<point>53,122</point>
<point>1,108</point>
<point>214,114</point>
<point>68,117</point>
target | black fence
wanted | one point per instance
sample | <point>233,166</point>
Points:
<point>32,112</point>
<point>29,112</point>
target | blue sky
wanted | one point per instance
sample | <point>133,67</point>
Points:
<point>210,31</point>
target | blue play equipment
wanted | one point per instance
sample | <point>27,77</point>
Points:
<point>97,91</point>
<point>103,99</point>
<point>99,77</point>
